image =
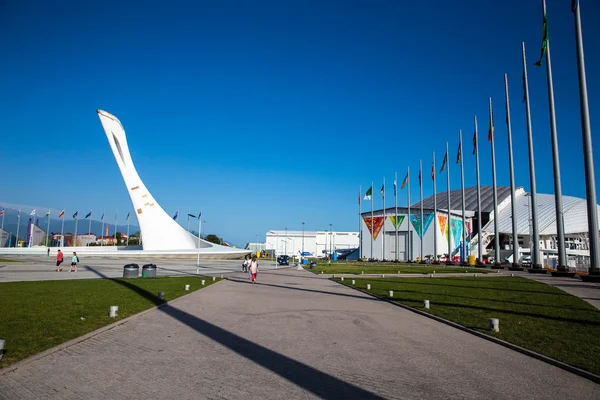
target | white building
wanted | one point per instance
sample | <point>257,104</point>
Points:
<point>317,243</point>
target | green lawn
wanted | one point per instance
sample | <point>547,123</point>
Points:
<point>387,268</point>
<point>35,316</point>
<point>5,260</point>
<point>532,315</point>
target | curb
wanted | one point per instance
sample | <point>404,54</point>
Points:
<point>530,353</point>
<point>72,342</point>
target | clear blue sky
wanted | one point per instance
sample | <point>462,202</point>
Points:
<point>265,114</point>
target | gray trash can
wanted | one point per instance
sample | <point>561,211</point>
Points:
<point>149,271</point>
<point>131,271</point>
<point>313,265</point>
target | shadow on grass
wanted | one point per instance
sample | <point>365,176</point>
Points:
<point>317,382</point>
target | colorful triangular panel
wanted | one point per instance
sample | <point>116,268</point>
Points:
<point>443,220</point>
<point>374,225</point>
<point>397,222</point>
<point>416,222</point>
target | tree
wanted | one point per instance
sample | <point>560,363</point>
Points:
<point>213,238</point>
<point>119,237</point>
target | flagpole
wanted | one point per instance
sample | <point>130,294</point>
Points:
<point>189,211</point>
<point>410,249</point>
<point>449,258</point>
<point>48,241</point>
<point>479,244</point>
<point>396,211</point>
<point>359,223</point>
<point>90,226</point>
<point>18,226</point>
<point>383,225</point>
<point>102,229</point>
<point>128,222</point>
<point>463,254</point>
<point>513,200</point>
<point>555,162</point>
<point>494,188</point>
<point>534,236</point>
<point>116,223</point>
<point>8,238</point>
<point>199,230</point>
<point>62,231</point>
<point>421,224</point>
<point>372,202</point>
<point>590,183</point>
<point>75,237</point>
<point>434,210</point>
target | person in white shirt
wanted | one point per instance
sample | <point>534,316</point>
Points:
<point>253,268</point>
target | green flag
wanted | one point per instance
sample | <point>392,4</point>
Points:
<point>369,193</point>
<point>444,163</point>
<point>544,41</point>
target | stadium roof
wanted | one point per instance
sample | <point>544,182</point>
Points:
<point>487,199</point>
<point>574,214</point>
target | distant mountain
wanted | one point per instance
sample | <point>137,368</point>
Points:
<point>83,225</point>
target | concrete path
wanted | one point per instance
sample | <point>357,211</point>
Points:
<point>293,335</point>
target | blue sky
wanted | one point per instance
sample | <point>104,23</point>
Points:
<point>265,114</point>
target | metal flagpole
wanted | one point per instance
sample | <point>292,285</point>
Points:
<point>359,223</point>
<point>62,230</point>
<point>410,244</point>
<point>189,211</point>
<point>8,239</point>
<point>396,211</point>
<point>449,258</point>
<point>199,233</point>
<point>435,252</point>
<point>560,230</point>
<point>372,200</point>
<point>48,241</point>
<point>76,216</point>
<point>421,224</point>
<point>588,157</point>
<point>534,240</point>
<point>383,225</point>
<point>90,227</point>
<point>116,224</point>
<point>476,151</point>
<point>513,200</point>
<point>18,225</point>
<point>494,188</point>
<point>463,254</point>
<point>128,222</point>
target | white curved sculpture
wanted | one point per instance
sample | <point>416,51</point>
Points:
<point>159,231</point>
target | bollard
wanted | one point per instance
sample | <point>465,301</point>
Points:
<point>187,287</point>
<point>434,272</point>
<point>342,279</point>
<point>475,275</point>
<point>113,312</point>
<point>202,282</point>
<point>161,295</point>
<point>391,293</point>
<point>214,278</point>
<point>221,276</point>
<point>512,274</point>
<point>321,272</point>
<point>368,286</point>
<point>362,272</point>
<point>426,304</point>
<point>495,324</point>
<point>431,275</point>
<point>333,276</point>
<point>383,276</point>
<point>1,348</point>
<point>353,281</point>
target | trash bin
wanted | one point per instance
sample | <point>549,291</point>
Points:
<point>471,260</point>
<point>149,271</point>
<point>313,265</point>
<point>131,271</point>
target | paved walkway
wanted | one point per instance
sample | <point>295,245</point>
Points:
<point>293,335</point>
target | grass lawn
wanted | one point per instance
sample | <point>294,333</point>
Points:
<point>387,268</point>
<point>5,260</point>
<point>532,315</point>
<point>35,316</point>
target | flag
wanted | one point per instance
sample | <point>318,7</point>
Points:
<point>176,215</point>
<point>76,214</point>
<point>359,197</point>
<point>192,216</point>
<point>382,190</point>
<point>574,5</point>
<point>102,218</point>
<point>404,181</point>
<point>127,218</point>
<point>419,177</point>
<point>33,212</point>
<point>491,127</point>
<point>432,172</point>
<point>474,142</point>
<point>48,214</point>
<point>444,161</point>
<point>88,214</point>
<point>2,213</point>
<point>369,193</point>
<point>395,184</point>
<point>60,214</point>
<point>458,155</point>
<point>545,40</point>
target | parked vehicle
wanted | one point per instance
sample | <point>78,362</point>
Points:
<point>283,260</point>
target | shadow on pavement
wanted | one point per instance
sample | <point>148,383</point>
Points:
<point>317,382</point>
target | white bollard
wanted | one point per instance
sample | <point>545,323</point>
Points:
<point>202,282</point>
<point>353,282</point>
<point>391,293</point>
<point>113,312</point>
<point>368,286</point>
<point>495,324</point>
<point>426,304</point>
<point>214,278</point>
<point>362,272</point>
<point>475,275</point>
<point>342,279</point>
<point>398,272</point>
<point>187,287</point>
<point>321,272</point>
<point>161,295</point>
<point>434,272</point>
<point>383,276</point>
<point>1,348</point>
<point>512,274</point>
<point>221,276</point>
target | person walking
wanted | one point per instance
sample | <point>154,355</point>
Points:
<point>59,260</point>
<point>254,268</point>
<point>245,264</point>
<point>74,261</point>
